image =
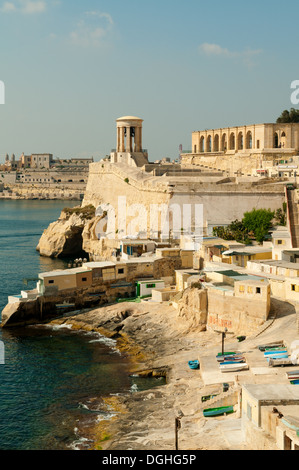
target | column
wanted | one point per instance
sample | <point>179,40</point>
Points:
<point>137,139</point>
<point>118,140</point>
<point>140,138</point>
<point>128,146</point>
<point>122,135</point>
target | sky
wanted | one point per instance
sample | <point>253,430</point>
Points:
<point>72,67</point>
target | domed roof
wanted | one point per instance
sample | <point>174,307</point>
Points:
<point>129,118</point>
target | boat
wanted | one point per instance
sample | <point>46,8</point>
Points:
<point>193,364</point>
<point>295,382</point>
<point>221,357</point>
<point>293,372</point>
<point>233,358</point>
<point>293,375</point>
<point>276,351</point>
<point>265,347</point>
<point>241,361</point>
<point>207,398</point>
<point>223,410</point>
<point>226,354</point>
<point>278,356</point>
<point>233,367</point>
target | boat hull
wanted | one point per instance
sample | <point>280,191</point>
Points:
<point>218,411</point>
<point>233,367</point>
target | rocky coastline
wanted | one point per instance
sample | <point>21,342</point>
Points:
<point>159,344</point>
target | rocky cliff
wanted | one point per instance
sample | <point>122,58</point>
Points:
<point>63,238</point>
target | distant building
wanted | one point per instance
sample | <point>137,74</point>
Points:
<point>43,160</point>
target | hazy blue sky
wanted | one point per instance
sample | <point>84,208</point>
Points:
<point>72,67</point>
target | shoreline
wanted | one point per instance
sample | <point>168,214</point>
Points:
<point>158,344</point>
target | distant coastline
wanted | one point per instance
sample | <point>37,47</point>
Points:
<point>21,191</point>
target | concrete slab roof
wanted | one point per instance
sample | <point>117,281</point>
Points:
<point>64,272</point>
<point>99,264</point>
<point>273,392</point>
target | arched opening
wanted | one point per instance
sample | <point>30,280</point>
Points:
<point>276,140</point>
<point>209,144</point>
<point>232,142</point>
<point>249,140</point>
<point>202,144</point>
<point>223,143</point>
<point>216,143</point>
<point>283,139</point>
<point>240,141</point>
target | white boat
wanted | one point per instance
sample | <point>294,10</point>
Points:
<point>233,367</point>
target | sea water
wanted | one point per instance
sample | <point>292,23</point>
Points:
<point>54,380</point>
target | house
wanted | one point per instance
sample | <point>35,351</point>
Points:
<point>145,287</point>
<point>136,248</point>
<point>270,416</point>
<point>56,281</point>
<point>241,256</point>
<point>281,241</point>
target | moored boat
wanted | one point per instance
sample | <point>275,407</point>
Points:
<point>276,351</point>
<point>293,375</point>
<point>223,410</point>
<point>233,367</point>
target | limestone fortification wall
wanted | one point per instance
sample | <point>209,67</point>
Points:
<point>223,200</point>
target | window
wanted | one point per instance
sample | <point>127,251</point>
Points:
<point>150,286</point>
<point>279,242</point>
<point>293,287</point>
<point>121,271</point>
<point>84,279</point>
<point>51,281</point>
<point>241,289</point>
<point>258,290</point>
<point>249,290</point>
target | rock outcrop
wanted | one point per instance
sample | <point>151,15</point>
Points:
<point>63,238</point>
<point>193,308</point>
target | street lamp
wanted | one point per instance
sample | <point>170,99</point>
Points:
<point>223,337</point>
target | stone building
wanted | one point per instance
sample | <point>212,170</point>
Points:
<point>259,142</point>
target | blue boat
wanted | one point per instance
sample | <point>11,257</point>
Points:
<point>241,361</point>
<point>295,382</point>
<point>193,364</point>
<point>278,351</point>
<point>277,356</point>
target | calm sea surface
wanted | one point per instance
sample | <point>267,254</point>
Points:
<point>53,379</point>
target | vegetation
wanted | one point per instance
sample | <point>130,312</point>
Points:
<point>126,180</point>
<point>289,116</point>
<point>255,225</point>
<point>88,212</point>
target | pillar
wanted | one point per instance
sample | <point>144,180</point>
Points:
<point>128,143</point>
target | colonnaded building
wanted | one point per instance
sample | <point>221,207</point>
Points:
<point>243,149</point>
